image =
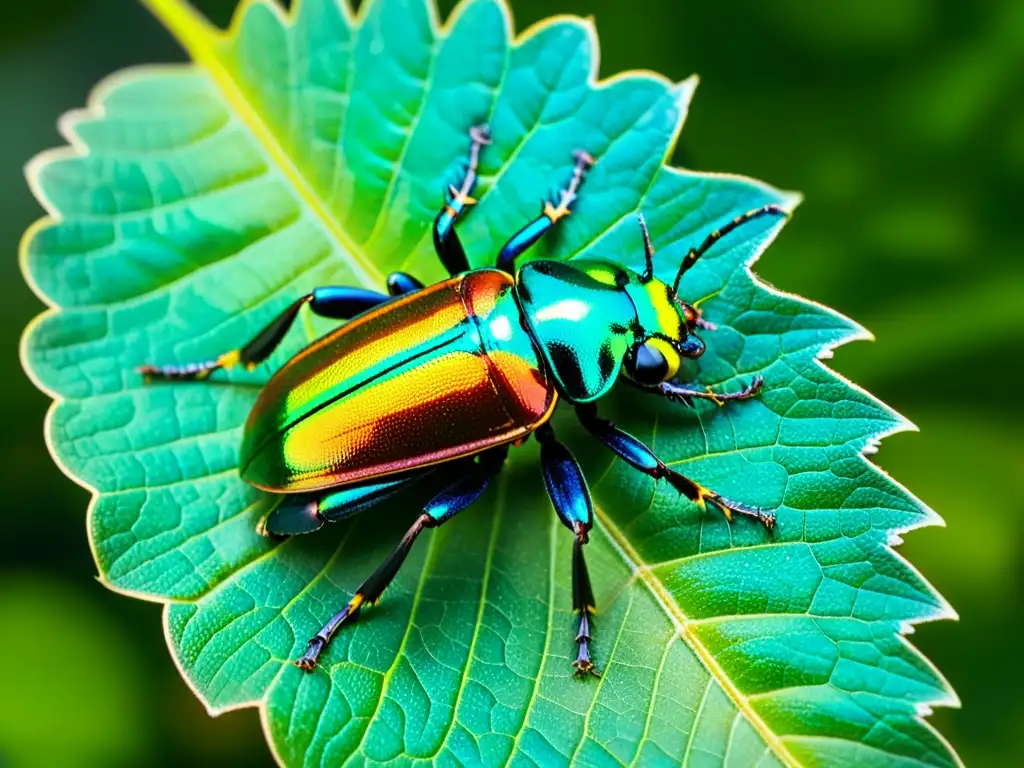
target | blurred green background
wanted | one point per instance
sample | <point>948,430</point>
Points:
<point>902,121</point>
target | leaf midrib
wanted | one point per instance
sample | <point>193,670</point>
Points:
<point>197,36</point>
<point>634,562</point>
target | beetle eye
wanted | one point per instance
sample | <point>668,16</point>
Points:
<point>647,365</point>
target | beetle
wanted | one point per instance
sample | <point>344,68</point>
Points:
<point>442,380</point>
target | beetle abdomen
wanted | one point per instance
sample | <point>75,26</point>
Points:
<point>442,373</point>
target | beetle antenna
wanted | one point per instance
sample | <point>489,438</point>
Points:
<point>695,253</point>
<point>648,251</point>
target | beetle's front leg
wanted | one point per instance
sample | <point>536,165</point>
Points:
<point>551,214</point>
<point>446,240</point>
<point>639,456</point>
<point>568,491</point>
<point>683,394</point>
<point>457,496</point>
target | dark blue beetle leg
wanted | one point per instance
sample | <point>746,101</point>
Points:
<point>457,496</point>
<point>334,301</point>
<point>639,456</point>
<point>305,513</point>
<point>446,241</point>
<point>569,494</point>
<point>521,241</point>
<point>401,283</point>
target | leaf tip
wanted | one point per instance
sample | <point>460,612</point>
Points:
<point>791,199</point>
<point>689,85</point>
<point>682,93</point>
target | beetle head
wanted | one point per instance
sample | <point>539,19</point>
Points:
<point>665,333</point>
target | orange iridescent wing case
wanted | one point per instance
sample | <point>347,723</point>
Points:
<point>443,373</point>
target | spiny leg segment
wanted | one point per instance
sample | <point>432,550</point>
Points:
<point>446,240</point>
<point>459,494</point>
<point>680,393</point>
<point>336,302</point>
<point>551,215</point>
<point>639,456</point>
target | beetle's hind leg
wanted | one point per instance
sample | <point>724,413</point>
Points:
<point>639,456</point>
<point>446,240</point>
<point>457,496</point>
<point>551,214</point>
<point>335,302</point>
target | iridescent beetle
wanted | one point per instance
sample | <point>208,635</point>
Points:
<point>442,380</point>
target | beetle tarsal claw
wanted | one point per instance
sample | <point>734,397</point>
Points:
<point>584,159</point>
<point>731,508</point>
<point>584,668</point>
<point>319,641</point>
<point>309,659</point>
<point>752,389</point>
<point>480,134</point>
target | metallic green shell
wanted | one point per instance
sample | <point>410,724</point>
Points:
<point>583,321</point>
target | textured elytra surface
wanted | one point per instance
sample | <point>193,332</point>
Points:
<point>313,148</point>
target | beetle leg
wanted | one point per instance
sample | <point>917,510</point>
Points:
<point>445,505</point>
<point>446,241</point>
<point>639,456</point>
<point>568,491</point>
<point>682,394</point>
<point>306,513</point>
<point>334,301</point>
<point>401,283</point>
<point>550,215</point>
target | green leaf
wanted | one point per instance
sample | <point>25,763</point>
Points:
<point>313,148</point>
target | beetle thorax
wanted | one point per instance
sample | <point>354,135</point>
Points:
<point>582,320</point>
